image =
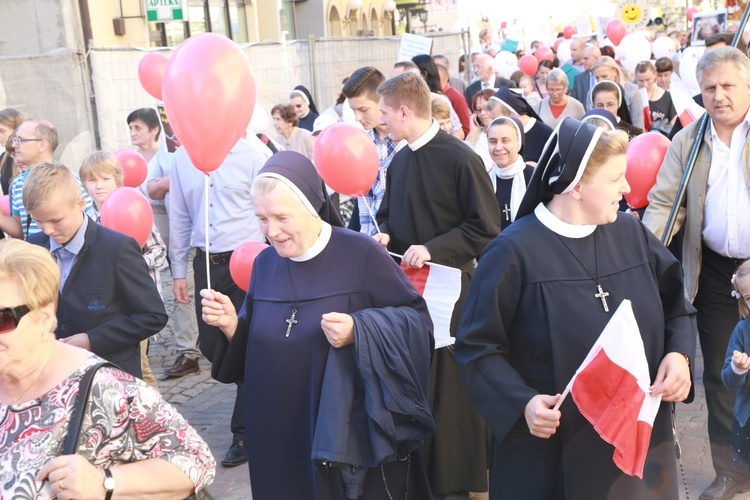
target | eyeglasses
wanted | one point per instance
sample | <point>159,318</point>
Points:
<point>11,316</point>
<point>18,140</point>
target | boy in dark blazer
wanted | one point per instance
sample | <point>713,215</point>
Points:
<point>108,302</point>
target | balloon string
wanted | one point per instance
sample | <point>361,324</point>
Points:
<point>372,216</point>
<point>208,258</point>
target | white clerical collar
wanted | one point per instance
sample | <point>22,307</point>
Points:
<point>426,137</point>
<point>560,227</point>
<point>323,238</point>
<point>529,124</point>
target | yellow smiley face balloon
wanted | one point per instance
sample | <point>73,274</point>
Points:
<point>631,14</point>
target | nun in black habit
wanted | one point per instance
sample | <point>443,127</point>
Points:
<point>505,139</point>
<point>535,308</point>
<point>303,103</point>
<point>535,130</point>
<point>333,343</point>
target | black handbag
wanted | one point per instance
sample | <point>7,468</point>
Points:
<point>76,420</point>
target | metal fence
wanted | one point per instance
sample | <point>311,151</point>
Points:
<point>56,86</point>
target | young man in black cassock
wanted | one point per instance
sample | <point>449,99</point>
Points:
<point>439,206</point>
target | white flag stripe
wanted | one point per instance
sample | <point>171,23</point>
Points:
<point>441,292</point>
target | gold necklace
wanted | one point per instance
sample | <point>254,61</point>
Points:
<point>38,377</point>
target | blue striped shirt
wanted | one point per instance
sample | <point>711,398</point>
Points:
<point>386,147</point>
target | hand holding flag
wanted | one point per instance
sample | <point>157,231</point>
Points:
<point>672,379</point>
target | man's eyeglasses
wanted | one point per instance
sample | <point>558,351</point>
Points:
<point>18,140</point>
<point>10,316</point>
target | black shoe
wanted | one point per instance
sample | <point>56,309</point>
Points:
<point>182,366</point>
<point>725,488</point>
<point>236,454</point>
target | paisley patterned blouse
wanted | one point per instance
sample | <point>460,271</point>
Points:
<point>126,421</point>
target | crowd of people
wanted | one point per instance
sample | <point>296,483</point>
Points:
<point>341,391</point>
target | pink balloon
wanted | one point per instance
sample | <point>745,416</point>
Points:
<point>558,42</point>
<point>241,262</point>
<point>127,211</point>
<point>134,167</point>
<point>644,158</point>
<point>346,159</point>
<point>691,12</point>
<point>528,64</point>
<point>544,53</point>
<point>209,97</point>
<point>616,31</point>
<point>151,72</point>
<point>5,205</point>
<point>569,31</point>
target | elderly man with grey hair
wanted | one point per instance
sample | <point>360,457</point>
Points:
<point>584,81</point>
<point>717,236</point>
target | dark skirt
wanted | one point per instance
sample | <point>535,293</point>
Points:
<point>740,445</point>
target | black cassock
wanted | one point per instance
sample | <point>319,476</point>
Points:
<point>531,317</point>
<point>440,196</point>
<point>534,141</point>
<point>284,375</point>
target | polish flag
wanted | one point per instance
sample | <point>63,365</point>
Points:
<point>687,109</point>
<point>611,389</point>
<point>440,286</point>
<point>646,110</point>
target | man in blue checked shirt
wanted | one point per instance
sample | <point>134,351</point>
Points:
<point>360,90</point>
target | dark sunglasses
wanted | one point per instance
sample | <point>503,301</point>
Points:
<point>10,316</point>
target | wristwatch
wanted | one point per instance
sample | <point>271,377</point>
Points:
<point>109,484</point>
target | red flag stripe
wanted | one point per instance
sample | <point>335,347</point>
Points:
<point>418,277</point>
<point>609,397</point>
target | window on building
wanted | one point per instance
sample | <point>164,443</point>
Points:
<point>225,17</point>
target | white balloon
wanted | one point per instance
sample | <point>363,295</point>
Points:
<point>633,49</point>
<point>259,121</point>
<point>688,63</point>
<point>506,63</point>
<point>563,51</point>
<point>663,47</point>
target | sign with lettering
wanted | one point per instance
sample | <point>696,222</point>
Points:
<point>159,11</point>
<point>413,45</point>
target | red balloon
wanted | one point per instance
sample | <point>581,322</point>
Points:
<point>151,72</point>
<point>544,53</point>
<point>241,262</point>
<point>127,211</point>
<point>528,64</point>
<point>569,31</point>
<point>5,205</point>
<point>558,42</point>
<point>645,156</point>
<point>209,97</point>
<point>134,167</point>
<point>691,12</point>
<point>346,159</point>
<point>616,31</point>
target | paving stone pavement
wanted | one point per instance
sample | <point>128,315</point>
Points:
<point>207,405</point>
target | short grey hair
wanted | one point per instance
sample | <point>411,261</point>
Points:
<point>557,76</point>
<point>718,57</point>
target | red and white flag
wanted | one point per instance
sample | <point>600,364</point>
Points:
<point>440,286</point>
<point>611,389</point>
<point>687,109</point>
<point>646,110</point>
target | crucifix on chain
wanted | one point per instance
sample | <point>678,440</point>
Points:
<point>506,212</point>
<point>601,295</point>
<point>292,320</point>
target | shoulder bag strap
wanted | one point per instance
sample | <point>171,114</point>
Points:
<point>76,418</point>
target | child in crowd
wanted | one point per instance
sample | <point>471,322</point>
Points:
<point>442,114</point>
<point>101,174</point>
<point>529,92</point>
<point>735,371</point>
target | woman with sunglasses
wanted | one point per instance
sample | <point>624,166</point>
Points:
<point>131,443</point>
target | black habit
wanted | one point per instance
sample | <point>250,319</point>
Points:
<point>531,317</point>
